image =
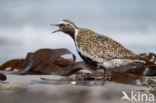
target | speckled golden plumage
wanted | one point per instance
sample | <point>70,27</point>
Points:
<point>100,46</point>
<point>96,49</point>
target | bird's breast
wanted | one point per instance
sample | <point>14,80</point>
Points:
<point>101,63</point>
<point>89,60</point>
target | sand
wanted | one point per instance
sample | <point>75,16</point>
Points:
<point>32,89</point>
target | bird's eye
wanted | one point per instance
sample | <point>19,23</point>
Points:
<point>68,25</point>
<point>62,24</point>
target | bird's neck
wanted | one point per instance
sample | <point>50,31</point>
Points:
<point>72,35</point>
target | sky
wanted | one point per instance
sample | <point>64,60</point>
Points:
<point>25,24</point>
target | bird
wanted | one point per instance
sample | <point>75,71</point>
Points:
<point>97,50</point>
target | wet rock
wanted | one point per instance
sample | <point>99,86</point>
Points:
<point>2,77</point>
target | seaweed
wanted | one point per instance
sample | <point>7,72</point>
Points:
<point>51,62</point>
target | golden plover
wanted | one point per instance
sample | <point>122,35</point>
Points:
<point>96,49</point>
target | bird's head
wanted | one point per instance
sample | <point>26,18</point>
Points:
<point>67,27</point>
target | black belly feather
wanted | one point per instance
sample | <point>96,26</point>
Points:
<point>89,60</point>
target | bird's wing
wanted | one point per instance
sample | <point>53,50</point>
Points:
<point>105,48</point>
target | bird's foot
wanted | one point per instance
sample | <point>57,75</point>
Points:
<point>107,78</point>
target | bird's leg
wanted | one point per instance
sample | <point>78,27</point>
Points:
<point>95,79</point>
<point>108,73</point>
<point>104,75</point>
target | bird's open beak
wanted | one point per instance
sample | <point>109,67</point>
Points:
<point>58,25</point>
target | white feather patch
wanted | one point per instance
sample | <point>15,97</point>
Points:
<point>76,33</point>
<point>116,62</point>
<point>63,22</point>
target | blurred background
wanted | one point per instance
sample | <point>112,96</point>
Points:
<point>25,24</point>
